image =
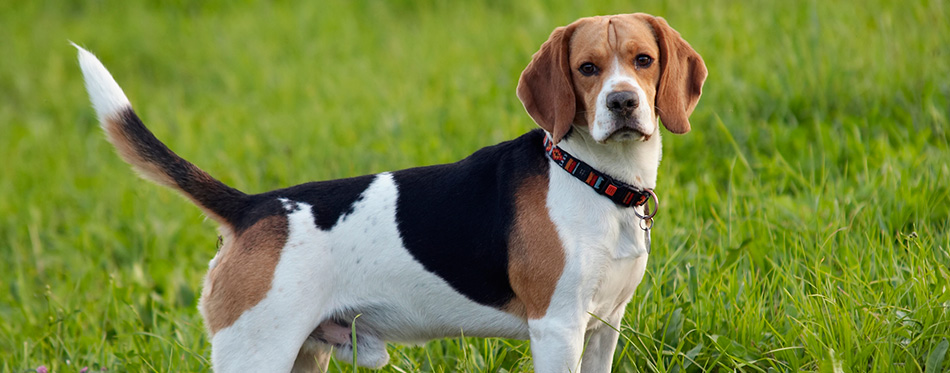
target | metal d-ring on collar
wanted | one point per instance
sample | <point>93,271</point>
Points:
<point>646,220</point>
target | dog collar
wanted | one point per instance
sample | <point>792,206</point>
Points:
<point>617,191</point>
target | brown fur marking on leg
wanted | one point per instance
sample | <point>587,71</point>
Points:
<point>244,272</point>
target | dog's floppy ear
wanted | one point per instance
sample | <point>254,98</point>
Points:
<point>681,78</point>
<point>546,88</point>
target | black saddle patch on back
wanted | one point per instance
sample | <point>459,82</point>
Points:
<point>331,200</point>
<point>455,219</point>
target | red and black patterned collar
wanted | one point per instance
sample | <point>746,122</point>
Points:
<point>617,191</point>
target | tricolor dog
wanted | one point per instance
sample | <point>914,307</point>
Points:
<point>528,239</point>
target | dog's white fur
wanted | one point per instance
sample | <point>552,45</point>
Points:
<point>106,95</point>
<point>604,126</point>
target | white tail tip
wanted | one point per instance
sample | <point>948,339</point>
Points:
<point>106,95</point>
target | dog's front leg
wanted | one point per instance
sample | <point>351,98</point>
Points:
<point>557,341</point>
<point>601,343</point>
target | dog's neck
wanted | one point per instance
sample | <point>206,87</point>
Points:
<point>633,162</point>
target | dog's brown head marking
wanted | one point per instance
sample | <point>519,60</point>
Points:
<point>562,84</point>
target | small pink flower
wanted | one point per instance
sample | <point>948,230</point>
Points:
<point>42,369</point>
<point>84,370</point>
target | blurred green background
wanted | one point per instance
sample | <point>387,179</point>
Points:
<point>805,219</point>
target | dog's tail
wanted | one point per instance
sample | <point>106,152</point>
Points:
<point>149,156</point>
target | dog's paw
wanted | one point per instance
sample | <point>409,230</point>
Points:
<point>370,352</point>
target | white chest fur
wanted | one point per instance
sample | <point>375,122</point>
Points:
<point>605,247</point>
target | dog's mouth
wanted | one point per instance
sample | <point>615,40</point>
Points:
<point>628,133</point>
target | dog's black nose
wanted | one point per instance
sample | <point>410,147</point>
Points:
<point>623,102</point>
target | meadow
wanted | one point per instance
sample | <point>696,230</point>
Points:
<point>805,223</point>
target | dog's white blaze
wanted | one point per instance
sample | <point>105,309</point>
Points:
<point>360,264</point>
<point>603,123</point>
<point>106,95</point>
<point>634,162</point>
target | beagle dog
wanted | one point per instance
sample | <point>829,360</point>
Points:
<point>544,237</point>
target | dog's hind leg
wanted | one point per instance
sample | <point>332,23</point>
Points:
<point>268,335</point>
<point>267,338</point>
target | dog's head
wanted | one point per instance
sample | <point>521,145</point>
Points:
<point>613,75</point>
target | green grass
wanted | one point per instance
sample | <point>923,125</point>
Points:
<point>805,221</point>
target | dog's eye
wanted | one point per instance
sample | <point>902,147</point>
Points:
<point>588,69</point>
<point>643,61</point>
